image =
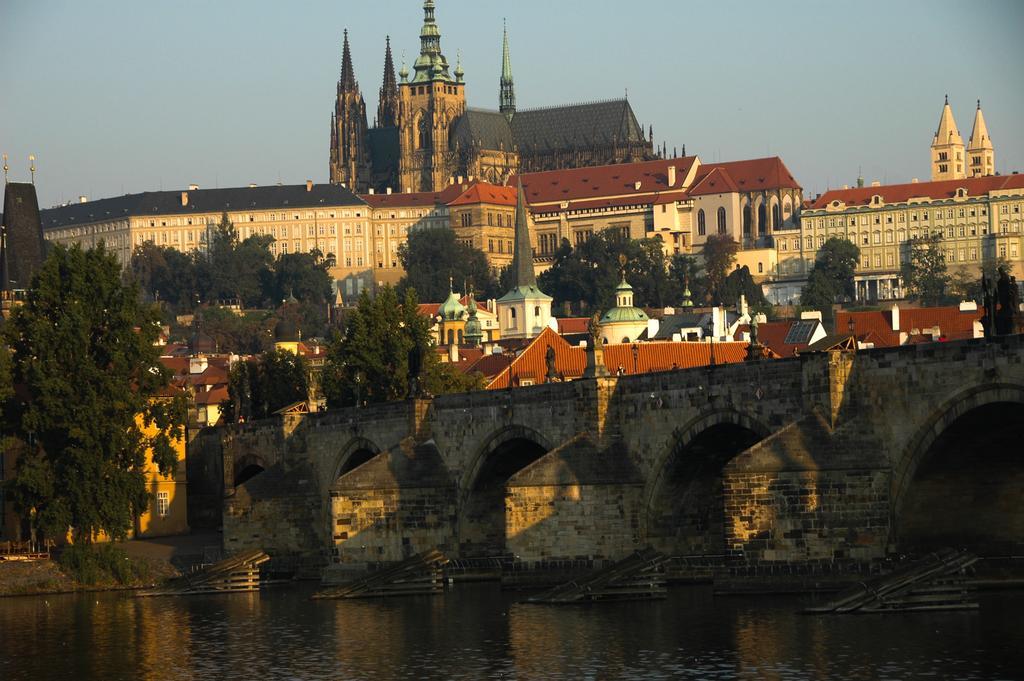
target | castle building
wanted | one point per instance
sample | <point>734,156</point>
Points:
<point>950,159</point>
<point>425,134</point>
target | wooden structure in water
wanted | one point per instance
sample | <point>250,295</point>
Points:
<point>935,582</point>
<point>420,575</point>
<point>239,573</point>
<point>641,576</point>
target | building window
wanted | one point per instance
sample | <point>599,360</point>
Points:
<point>721,221</point>
<point>775,216</point>
<point>701,227</point>
<point>163,504</point>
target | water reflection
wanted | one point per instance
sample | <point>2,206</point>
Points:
<point>478,632</point>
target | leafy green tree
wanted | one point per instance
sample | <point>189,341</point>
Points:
<point>818,293</point>
<point>92,381</point>
<point>719,256</point>
<point>260,386</point>
<point>370,362</point>
<point>686,271</point>
<point>741,283</point>
<point>586,277</point>
<point>924,272</point>
<point>302,275</point>
<point>249,333</point>
<point>165,274</point>
<point>431,256</point>
<point>232,270</point>
<point>831,278</point>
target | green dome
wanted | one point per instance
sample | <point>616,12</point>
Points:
<point>624,314</point>
<point>452,310</point>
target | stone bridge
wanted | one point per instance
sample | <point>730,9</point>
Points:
<point>829,457</point>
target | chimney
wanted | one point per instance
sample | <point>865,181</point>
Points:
<point>671,176</point>
<point>846,186</point>
<point>309,185</point>
<point>83,199</point>
<point>895,317</point>
<point>458,180</point>
<point>184,198</point>
<point>636,185</point>
<point>193,187</point>
<point>914,181</point>
<point>453,353</point>
<point>876,183</point>
<point>742,307</point>
<point>371,191</point>
<point>389,191</point>
<point>252,185</point>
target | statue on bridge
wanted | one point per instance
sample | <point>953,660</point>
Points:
<point>988,299</point>
<point>1008,297</point>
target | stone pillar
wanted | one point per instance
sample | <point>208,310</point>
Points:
<point>419,419</point>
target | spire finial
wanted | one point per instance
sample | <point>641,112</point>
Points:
<point>947,99</point>
<point>979,104</point>
<point>6,168</point>
<point>451,284</point>
<point>507,98</point>
<point>32,166</point>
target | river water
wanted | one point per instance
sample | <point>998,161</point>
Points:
<point>479,632</point>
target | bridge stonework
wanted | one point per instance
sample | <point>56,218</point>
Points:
<point>594,469</point>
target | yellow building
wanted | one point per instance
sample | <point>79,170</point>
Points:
<point>168,507</point>
<point>978,218</point>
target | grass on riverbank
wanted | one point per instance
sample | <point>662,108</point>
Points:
<point>81,568</point>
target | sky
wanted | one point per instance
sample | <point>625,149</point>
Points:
<point>123,96</point>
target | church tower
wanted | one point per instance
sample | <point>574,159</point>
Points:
<point>429,106</point>
<point>507,100</point>
<point>981,155</point>
<point>525,310</point>
<point>947,149</point>
<point>349,160</point>
<point>387,103</point>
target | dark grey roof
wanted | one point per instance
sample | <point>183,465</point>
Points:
<point>24,249</point>
<point>384,148</point>
<point>200,201</point>
<point>674,323</point>
<point>486,129</point>
<point>566,127</point>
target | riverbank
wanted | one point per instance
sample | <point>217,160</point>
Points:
<point>152,561</point>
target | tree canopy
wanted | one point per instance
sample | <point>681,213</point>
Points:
<point>260,386</point>
<point>584,278</point>
<point>924,272</point>
<point>83,350</point>
<point>370,362</point>
<point>431,256</point>
<point>832,276</point>
<point>719,256</point>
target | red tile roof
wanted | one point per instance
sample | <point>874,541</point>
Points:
<point>573,324</point>
<point>717,180</point>
<point>753,174</point>
<point>213,396</point>
<point>876,325</point>
<point>577,184</point>
<point>415,199</point>
<point>483,192</point>
<point>531,364</point>
<point>900,193</point>
<point>773,335</point>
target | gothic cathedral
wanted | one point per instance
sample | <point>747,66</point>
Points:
<point>424,134</point>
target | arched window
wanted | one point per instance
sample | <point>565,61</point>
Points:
<point>461,337</point>
<point>721,220</point>
<point>746,220</point>
<point>423,137</point>
<point>776,216</point>
<point>762,219</point>
<point>787,209</point>
<point>701,227</point>
<point>451,336</point>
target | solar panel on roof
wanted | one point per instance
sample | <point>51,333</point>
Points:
<point>800,332</point>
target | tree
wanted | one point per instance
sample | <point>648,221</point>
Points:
<point>924,272</point>
<point>233,269</point>
<point>261,386</point>
<point>741,283</point>
<point>92,383</point>
<point>370,362</point>
<point>431,256</point>
<point>832,276</point>
<point>719,256</point>
<point>686,271</point>
<point>586,277</point>
<point>165,274</point>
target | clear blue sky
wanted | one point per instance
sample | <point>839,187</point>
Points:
<point>117,96</point>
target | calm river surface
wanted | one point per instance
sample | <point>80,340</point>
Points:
<point>479,632</point>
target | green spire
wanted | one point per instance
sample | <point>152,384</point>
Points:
<point>431,64</point>
<point>474,332</point>
<point>507,104</point>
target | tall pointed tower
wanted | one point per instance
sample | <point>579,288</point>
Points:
<point>981,155</point>
<point>388,103</point>
<point>349,161</point>
<point>507,102</point>
<point>947,148</point>
<point>525,310</point>
<point>430,104</point>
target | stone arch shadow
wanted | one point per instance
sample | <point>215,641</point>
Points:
<point>357,451</point>
<point>682,437</point>
<point>467,483</point>
<point>248,467</point>
<point>914,454</point>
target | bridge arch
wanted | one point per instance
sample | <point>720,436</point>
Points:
<point>967,455</point>
<point>481,514</point>
<point>682,501</point>
<point>355,453</point>
<point>248,467</point>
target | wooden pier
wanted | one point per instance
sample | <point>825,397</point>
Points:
<point>420,575</point>
<point>641,576</point>
<point>938,581</point>
<point>239,573</point>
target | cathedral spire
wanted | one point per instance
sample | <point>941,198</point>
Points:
<point>522,258</point>
<point>347,83</point>
<point>387,107</point>
<point>981,154</point>
<point>431,64</point>
<point>507,104</point>
<point>947,148</point>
